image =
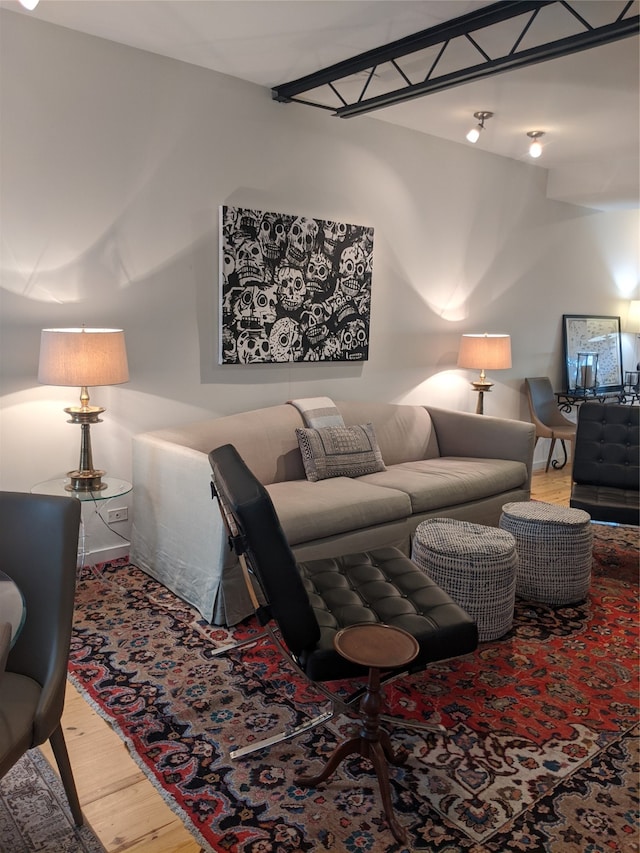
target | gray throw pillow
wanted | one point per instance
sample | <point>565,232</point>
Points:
<point>339,451</point>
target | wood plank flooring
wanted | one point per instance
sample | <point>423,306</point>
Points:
<point>125,810</point>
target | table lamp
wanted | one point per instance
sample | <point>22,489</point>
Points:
<point>484,352</point>
<point>83,357</point>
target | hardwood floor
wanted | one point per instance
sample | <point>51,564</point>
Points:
<point>123,807</point>
<point>554,487</point>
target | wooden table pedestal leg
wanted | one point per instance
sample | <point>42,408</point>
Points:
<point>373,743</point>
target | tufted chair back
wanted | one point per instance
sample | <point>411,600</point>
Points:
<point>606,466</point>
<point>255,530</point>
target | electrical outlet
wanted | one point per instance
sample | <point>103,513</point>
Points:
<point>118,514</point>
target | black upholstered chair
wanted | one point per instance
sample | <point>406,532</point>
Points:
<point>606,472</point>
<point>38,550</point>
<point>310,602</point>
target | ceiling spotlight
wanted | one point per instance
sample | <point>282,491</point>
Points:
<point>535,149</point>
<point>29,4</point>
<point>474,133</point>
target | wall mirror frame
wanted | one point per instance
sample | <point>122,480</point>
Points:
<point>585,336</point>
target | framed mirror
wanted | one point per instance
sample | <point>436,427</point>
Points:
<point>592,353</point>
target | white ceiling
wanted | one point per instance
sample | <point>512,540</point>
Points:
<point>587,103</point>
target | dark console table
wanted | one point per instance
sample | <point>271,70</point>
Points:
<point>568,399</point>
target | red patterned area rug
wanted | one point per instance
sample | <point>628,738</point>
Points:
<point>540,753</point>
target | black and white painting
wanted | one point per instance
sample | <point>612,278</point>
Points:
<point>293,288</point>
<point>599,336</point>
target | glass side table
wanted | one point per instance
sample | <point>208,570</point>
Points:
<point>115,488</point>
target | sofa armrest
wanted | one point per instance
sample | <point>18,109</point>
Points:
<point>464,434</point>
<point>177,535</point>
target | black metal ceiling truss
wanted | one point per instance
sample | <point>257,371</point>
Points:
<point>496,38</point>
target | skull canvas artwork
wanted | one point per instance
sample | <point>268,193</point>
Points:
<point>293,288</point>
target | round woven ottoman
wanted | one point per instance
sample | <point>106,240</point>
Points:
<point>554,551</point>
<point>475,565</point>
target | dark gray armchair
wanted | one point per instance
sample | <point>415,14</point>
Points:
<point>606,472</point>
<point>38,550</point>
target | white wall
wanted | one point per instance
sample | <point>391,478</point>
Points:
<point>114,164</point>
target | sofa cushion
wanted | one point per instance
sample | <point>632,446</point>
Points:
<point>265,438</point>
<point>339,451</point>
<point>604,503</point>
<point>405,433</point>
<point>447,481</point>
<point>309,511</point>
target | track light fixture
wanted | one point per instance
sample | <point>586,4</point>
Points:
<point>535,149</point>
<point>474,133</point>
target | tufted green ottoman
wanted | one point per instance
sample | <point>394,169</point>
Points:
<point>475,565</point>
<point>554,551</point>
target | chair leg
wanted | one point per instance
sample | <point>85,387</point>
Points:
<point>241,644</point>
<point>337,705</point>
<point>281,736</point>
<point>553,444</point>
<point>558,465</point>
<point>61,755</point>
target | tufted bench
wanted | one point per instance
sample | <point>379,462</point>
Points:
<point>554,551</point>
<point>475,564</point>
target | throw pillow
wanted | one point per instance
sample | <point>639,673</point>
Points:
<point>339,451</point>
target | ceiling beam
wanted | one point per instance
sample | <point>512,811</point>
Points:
<point>511,56</point>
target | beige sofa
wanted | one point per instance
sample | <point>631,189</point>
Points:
<point>438,463</point>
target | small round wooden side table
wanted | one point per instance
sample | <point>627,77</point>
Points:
<point>378,647</point>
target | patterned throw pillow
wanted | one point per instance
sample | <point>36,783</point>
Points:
<point>339,451</point>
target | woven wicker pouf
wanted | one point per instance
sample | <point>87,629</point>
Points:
<point>475,565</point>
<point>554,551</point>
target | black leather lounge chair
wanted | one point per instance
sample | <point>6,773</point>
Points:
<point>310,602</point>
<point>606,468</point>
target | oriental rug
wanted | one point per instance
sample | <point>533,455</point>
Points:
<point>540,752</point>
<point>34,812</point>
